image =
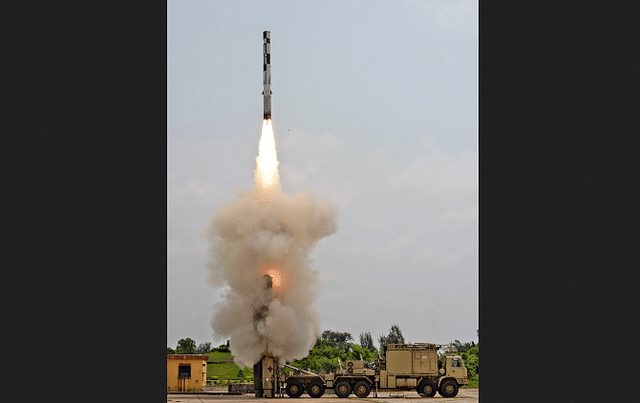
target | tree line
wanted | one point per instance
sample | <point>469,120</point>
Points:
<point>188,346</point>
<point>332,349</point>
<point>340,340</point>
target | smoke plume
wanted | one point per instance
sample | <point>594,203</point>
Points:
<point>265,231</point>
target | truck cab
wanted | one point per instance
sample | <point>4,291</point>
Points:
<point>455,368</point>
<point>454,374</point>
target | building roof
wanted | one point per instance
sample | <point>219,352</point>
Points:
<point>187,357</point>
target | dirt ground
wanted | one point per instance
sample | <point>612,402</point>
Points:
<point>464,395</point>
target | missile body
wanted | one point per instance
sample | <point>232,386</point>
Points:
<point>266,73</point>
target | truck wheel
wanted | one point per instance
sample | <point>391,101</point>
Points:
<point>362,389</point>
<point>449,388</point>
<point>315,389</point>
<point>427,388</point>
<point>343,389</point>
<point>294,389</point>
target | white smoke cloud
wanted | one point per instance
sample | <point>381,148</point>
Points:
<point>254,234</point>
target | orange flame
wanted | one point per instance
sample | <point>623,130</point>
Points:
<point>276,277</point>
<point>275,271</point>
<point>267,177</point>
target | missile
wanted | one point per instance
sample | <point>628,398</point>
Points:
<point>266,73</point>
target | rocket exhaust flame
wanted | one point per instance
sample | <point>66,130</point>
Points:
<point>267,177</point>
<point>275,271</point>
<point>276,278</point>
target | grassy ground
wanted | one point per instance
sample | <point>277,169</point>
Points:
<point>222,371</point>
<point>219,354</point>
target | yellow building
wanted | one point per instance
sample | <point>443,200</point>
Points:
<point>186,372</point>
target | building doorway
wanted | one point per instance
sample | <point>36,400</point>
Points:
<point>184,373</point>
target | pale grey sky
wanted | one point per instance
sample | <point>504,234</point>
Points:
<point>374,108</point>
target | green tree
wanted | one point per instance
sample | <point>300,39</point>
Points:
<point>186,346</point>
<point>472,362</point>
<point>170,350</point>
<point>359,353</point>
<point>382,343</point>
<point>461,347</point>
<point>339,340</point>
<point>366,341</point>
<point>321,357</point>
<point>395,337</point>
<point>204,348</point>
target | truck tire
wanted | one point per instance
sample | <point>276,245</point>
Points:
<point>448,388</point>
<point>315,389</point>
<point>427,388</point>
<point>342,389</point>
<point>294,389</point>
<point>362,389</point>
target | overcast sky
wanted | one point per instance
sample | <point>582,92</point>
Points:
<point>375,108</point>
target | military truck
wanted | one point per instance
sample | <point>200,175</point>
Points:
<point>407,367</point>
